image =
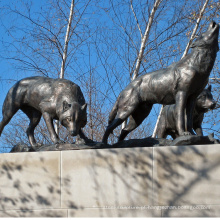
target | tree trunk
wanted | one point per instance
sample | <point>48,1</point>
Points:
<point>61,76</point>
<point>66,41</point>
<point>145,38</point>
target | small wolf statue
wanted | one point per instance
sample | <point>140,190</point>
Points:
<point>167,122</point>
<point>58,99</point>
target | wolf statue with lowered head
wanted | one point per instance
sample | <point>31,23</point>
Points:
<point>58,99</point>
<point>179,83</point>
<point>167,121</point>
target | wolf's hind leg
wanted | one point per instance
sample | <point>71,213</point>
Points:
<point>8,112</point>
<point>125,108</point>
<point>115,123</point>
<point>120,117</point>
<point>161,131</point>
<point>136,118</point>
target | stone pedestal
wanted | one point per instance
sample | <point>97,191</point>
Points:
<point>124,182</point>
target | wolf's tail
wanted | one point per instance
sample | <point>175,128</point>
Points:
<point>113,112</point>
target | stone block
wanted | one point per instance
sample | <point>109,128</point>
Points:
<point>186,175</point>
<point>106,178</point>
<point>194,211</point>
<point>51,213</point>
<point>113,212</point>
<point>173,181</point>
<point>30,181</point>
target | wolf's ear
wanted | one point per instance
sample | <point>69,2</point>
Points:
<point>66,106</point>
<point>209,88</point>
<point>84,107</point>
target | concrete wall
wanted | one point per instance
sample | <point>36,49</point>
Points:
<point>130,182</point>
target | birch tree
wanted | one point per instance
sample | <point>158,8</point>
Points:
<point>67,39</point>
<point>64,57</point>
<point>144,37</point>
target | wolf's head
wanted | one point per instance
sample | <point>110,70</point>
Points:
<point>73,117</point>
<point>208,39</point>
<point>205,100</point>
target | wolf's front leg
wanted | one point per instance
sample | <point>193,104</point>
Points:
<point>49,122</point>
<point>82,139</point>
<point>181,98</point>
<point>189,113</point>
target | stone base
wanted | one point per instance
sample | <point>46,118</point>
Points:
<point>145,142</point>
<point>172,181</point>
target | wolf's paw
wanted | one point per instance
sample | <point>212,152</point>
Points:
<point>60,142</point>
<point>186,133</point>
<point>191,132</point>
<point>80,141</point>
<point>35,146</point>
<point>89,141</point>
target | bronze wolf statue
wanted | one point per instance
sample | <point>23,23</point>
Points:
<point>179,83</point>
<point>167,122</point>
<point>58,99</point>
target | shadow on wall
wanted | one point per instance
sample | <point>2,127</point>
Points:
<point>107,181</point>
<point>111,182</point>
<point>130,174</point>
<point>29,181</point>
<point>114,181</point>
<point>187,176</point>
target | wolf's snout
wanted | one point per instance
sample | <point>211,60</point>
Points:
<point>213,105</point>
<point>73,133</point>
<point>213,27</point>
<point>213,24</point>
